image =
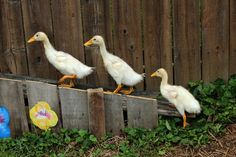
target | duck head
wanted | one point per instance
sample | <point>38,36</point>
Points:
<point>39,36</point>
<point>159,73</point>
<point>96,40</point>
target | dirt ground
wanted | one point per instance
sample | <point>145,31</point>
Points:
<point>224,146</point>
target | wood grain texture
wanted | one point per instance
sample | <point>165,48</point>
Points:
<point>142,112</point>
<point>157,40</point>
<point>187,36</point>
<point>37,17</point>
<point>215,31</point>
<point>38,91</point>
<point>96,112</point>
<point>11,96</point>
<point>74,108</point>
<point>128,34</point>
<point>13,37</point>
<point>3,64</point>
<point>232,57</point>
<point>95,23</point>
<point>68,31</point>
<point>114,113</point>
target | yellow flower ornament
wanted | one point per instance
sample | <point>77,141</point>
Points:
<point>42,116</point>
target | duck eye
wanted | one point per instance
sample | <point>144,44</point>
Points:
<point>94,39</point>
<point>37,35</point>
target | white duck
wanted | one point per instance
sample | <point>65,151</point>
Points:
<point>182,99</point>
<point>64,62</point>
<point>120,71</point>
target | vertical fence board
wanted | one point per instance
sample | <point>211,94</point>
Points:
<point>74,108</point>
<point>39,91</point>
<point>37,17</point>
<point>96,112</point>
<point>95,23</point>
<point>3,63</point>
<point>11,95</point>
<point>128,33</point>
<point>187,55</point>
<point>68,32</point>
<point>157,39</point>
<point>232,58</point>
<point>142,112</point>
<point>13,37</point>
<point>113,113</point>
<point>215,27</point>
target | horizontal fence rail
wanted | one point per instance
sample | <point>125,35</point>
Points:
<point>193,40</point>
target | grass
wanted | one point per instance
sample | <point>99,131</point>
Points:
<point>218,101</point>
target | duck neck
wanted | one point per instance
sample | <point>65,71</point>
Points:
<point>103,50</point>
<point>164,80</point>
<point>47,45</point>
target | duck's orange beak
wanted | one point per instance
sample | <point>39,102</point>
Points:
<point>32,39</point>
<point>88,43</point>
<point>154,74</point>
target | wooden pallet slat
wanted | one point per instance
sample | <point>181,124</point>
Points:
<point>39,91</point>
<point>74,108</point>
<point>11,96</point>
<point>114,113</point>
<point>142,112</point>
<point>96,112</point>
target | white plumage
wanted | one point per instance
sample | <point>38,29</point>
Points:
<point>63,62</point>
<point>120,71</point>
<point>177,95</point>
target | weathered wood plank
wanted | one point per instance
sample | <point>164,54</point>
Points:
<point>13,37</point>
<point>11,96</point>
<point>74,108</point>
<point>187,36</point>
<point>128,34</point>
<point>3,63</point>
<point>96,112</point>
<point>157,40</point>
<point>215,31</point>
<point>39,91</point>
<point>114,113</point>
<point>95,23</point>
<point>167,110</point>
<point>142,112</point>
<point>37,17</point>
<point>68,32</point>
<point>232,57</point>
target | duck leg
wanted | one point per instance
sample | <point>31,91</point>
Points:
<point>118,88</point>
<point>127,92</point>
<point>61,80</point>
<point>184,121</point>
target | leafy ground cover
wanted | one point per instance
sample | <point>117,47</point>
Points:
<point>218,101</point>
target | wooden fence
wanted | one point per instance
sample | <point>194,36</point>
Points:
<point>89,109</point>
<point>192,39</point>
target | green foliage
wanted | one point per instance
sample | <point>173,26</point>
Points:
<point>218,99</point>
<point>218,102</point>
<point>49,143</point>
